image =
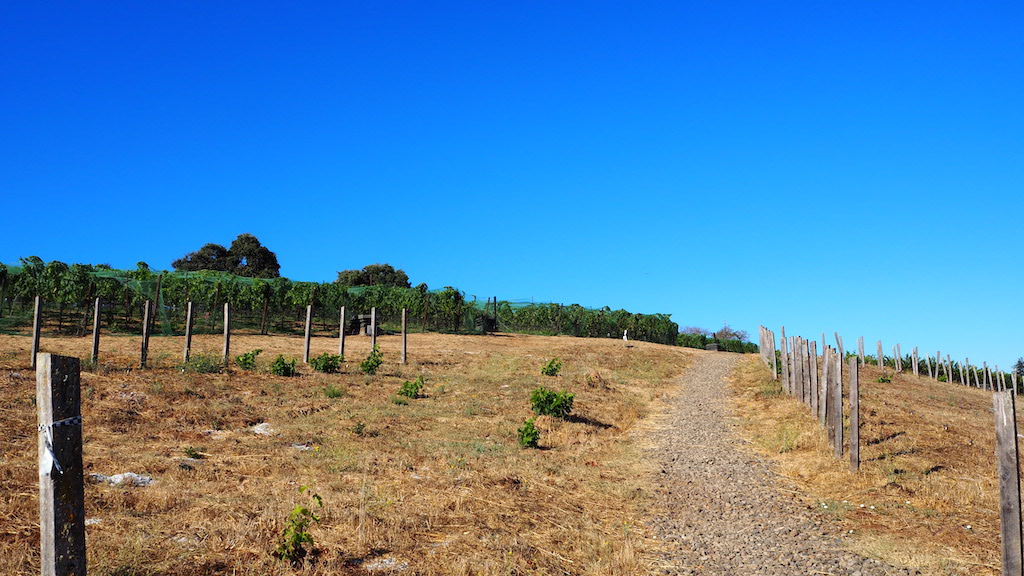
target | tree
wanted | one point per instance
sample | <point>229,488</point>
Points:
<point>254,259</point>
<point>374,275</point>
<point>1018,367</point>
<point>245,257</point>
<point>209,257</point>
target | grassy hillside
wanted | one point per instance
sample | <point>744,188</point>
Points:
<point>927,493</point>
<point>438,483</point>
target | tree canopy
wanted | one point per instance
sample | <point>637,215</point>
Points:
<point>246,257</point>
<point>374,275</point>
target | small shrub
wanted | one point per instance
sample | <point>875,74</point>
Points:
<point>296,532</point>
<point>195,453</point>
<point>332,391</point>
<point>552,367</point>
<point>550,403</point>
<point>327,363</point>
<point>247,361</point>
<point>203,363</point>
<point>412,389</point>
<point>527,435</point>
<point>943,378</point>
<point>884,378</point>
<point>359,428</point>
<point>372,362</point>
<point>282,367</point>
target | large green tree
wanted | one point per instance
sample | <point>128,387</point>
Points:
<point>254,259</point>
<point>374,275</point>
<point>246,257</point>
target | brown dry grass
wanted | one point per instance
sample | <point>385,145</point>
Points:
<point>928,468</point>
<point>439,483</point>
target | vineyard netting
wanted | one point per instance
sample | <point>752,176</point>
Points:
<point>278,305</point>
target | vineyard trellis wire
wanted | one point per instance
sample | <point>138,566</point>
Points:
<point>278,305</point>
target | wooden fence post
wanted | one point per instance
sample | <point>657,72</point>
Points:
<point>917,371</point>
<point>938,363</point>
<point>837,404</point>
<point>1009,483</point>
<point>798,368</point>
<point>61,481</point>
<point>189,318</point>
<point>144,353</point>
<point>227,332</point>
<point>37,326</point>
<point>95,357</point>
<point>825,390</point>
<point>784,361</point>
<point>405,337</point>
<point>881,357</point>
<point>854,416</point>
<point>812,358</point>
<point>341,334</point>
<point>839,343</point>
<point>899,359</point>
<point>309,329</point>
<point>373,328</point>
<point>860,349</point>
<point>775,364</point>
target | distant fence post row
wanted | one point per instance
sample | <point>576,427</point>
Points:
<point>939,368</point>
<point>372,330</point>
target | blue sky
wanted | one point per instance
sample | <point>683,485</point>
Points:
<point>851,167</point>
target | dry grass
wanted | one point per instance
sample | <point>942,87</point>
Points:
<point>927,493</point>
<point>439,483</point>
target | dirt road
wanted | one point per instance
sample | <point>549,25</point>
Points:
<point>723,510</point>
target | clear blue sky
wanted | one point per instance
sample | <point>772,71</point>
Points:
<point>854,167</point>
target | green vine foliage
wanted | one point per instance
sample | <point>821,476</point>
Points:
<point>527,435</point>
<point>327,363</point>
<point>547,402</point>
<point>372,362</point>
<point>295,537</point>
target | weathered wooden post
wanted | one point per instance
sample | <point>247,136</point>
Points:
<point>341,334</point>
<point>144,353</point>
<point>373,328</point>
<point>61,481</point>
<point>775,364</point>
<point>854,416</point>
<point>784,361</point>
<point>95,357</point>
<point>405,337</point>
<point>798,368</point>
<point>881,357</point>
<point>309,330</point>
<point>824,389</point>
<point>1009,483</point>
<point>917,371</point>
<point>227,332</point>
<point>837,404</point>
<point>189,318</point>
<point>839,344</point>
<point>860,349</point>
<point>812,357</point>
<point>899,359</point>
<point>37,326</point>
<point>938,363</point>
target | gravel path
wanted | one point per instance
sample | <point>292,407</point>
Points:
<point>722,510</point>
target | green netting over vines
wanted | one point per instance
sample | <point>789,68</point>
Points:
<point>278,305</point>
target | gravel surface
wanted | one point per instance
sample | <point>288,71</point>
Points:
<point>722,509</point>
